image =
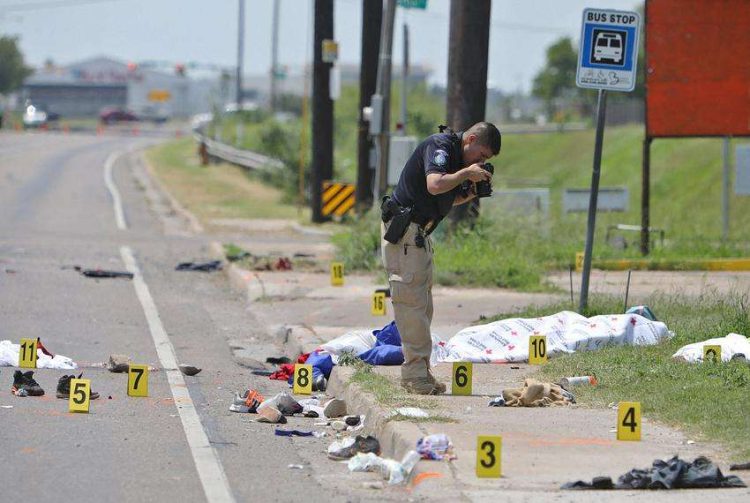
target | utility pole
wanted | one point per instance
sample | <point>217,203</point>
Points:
<point>372,19</point>
<point>404,79</point>
<point>240,50</point>
<point>274,55</point>
<point>322,109</point>
<point>468,50</point>
<point>384,90</point>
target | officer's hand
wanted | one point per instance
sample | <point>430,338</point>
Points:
<point>476,173</point>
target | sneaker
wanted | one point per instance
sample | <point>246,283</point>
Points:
<point>360,445</point>
<point>63,387</point>
<point>247,402</point>
<point>25,385</point>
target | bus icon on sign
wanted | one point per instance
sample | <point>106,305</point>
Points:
<point>608,47</point>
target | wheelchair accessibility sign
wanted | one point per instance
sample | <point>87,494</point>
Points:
<point>609,50</point>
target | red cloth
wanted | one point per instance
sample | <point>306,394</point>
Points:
<point>286,370</point>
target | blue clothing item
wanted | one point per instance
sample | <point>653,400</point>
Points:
<point>383,354</point>
<point>388,335</point>
<point>322,364</point>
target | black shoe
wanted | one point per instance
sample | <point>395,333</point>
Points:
<point>361,445</point>
<point>63,387</point>
<point>25,385</point>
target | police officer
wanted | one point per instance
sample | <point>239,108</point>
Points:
<point>441,173</point>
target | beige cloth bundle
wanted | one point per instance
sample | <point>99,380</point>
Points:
<point>534,394</point>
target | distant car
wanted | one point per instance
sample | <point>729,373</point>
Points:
<point>115,115</point>
<point>35,116</point>
<point>155,114</point>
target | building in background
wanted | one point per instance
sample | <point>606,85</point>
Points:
<point>84,88</point>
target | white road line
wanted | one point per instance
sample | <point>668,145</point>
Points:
<point>210,471</point>
<point>116,199</point>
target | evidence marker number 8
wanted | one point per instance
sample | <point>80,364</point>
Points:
<point>303,378</point>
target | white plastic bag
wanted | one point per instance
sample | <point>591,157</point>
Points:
<point>9,358</point>
<point>354,341</point>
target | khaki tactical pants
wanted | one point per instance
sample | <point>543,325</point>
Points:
<point>410,276</point>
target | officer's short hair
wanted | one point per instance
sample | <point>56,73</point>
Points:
<point>487,135</point>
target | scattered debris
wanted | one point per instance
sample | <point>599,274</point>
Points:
<point>213,265</point>
<point>104,273</point>
<point>270,415</point>
<point>742,466</point>
<point>6,406</point>
<point>414,412</point>
<point>568,382</point>
<point>338,425</point>
<point>373,484</point>
<point>296,467</point>
<point>247,402</point>
<point>671,474</point>
<point>350,447</point>
<point>498,401</point>
<point>390,469</point>
<point>278,360</point>
<point>437,447</point>
<point>292,433</point>
<point>119,363</point>
<point>189,370</point>
<point>284,402</point>
<point>334,408</point>
<point>352,420</point>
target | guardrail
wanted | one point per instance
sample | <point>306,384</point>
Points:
<point>243,158</point>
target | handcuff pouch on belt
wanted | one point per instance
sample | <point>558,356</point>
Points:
<point>399,219</point>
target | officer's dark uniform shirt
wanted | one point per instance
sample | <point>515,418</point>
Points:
<point>439,153</point>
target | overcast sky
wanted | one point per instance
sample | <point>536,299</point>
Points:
<point>205,31</point>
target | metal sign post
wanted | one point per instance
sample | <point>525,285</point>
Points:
<point>606,61</point>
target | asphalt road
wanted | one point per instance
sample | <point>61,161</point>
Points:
<point>171,446</point>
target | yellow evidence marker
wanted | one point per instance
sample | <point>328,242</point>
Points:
<point>337,273</point>
<point>462,378</point>
<point>489,450</point>
<point>378,304</point>
<point>579,261</point>
<point>537,349</point>
<point>80,395</point>
<point>303,378</point>
<point>712,353</point>
<point>138,380</point>
<point>27,354</point>
<point>629,421</point>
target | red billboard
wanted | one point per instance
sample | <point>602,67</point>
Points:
<point>697,68</point>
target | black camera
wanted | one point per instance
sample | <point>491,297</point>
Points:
<point>484,188</point>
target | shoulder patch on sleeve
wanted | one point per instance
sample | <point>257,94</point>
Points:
<point>440,158</point>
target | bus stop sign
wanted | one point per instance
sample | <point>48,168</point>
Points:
<point>609,50</point>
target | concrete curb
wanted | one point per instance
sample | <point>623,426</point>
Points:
<point>396,437</point>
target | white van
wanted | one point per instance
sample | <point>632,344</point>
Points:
<point>608,46</point>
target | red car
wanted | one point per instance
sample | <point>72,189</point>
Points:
<point>114,115</point>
